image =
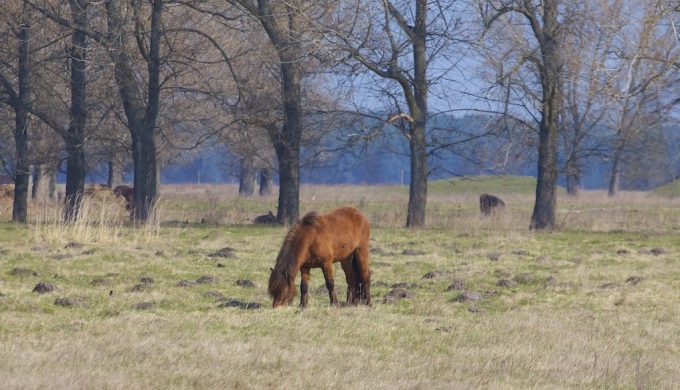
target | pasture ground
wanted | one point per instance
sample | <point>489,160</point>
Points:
<point>488,304</point>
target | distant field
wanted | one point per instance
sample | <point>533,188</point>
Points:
<point>488,303</point>
<point>671,190</point>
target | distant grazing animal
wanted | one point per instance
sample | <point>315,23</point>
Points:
<point>265,219</point>
<point>128,194</point>
<point>318,241</point>
<point>489,203</point>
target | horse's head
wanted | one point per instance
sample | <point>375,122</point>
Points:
<point>281,287</point>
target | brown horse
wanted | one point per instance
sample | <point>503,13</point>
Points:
<point>318,241</point>
<point>128,194</point>
<point>490,203</point>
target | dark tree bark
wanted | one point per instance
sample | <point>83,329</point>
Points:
<point>573,178</point>
<point>417,102</point>
<point>286,38</point>
<point>247,177</point>
<point>543,217</point>
<point>75,136</point>
<point>615,175</point>
<point>141,113</point>
<point>266,181</point>
<point>21,106</point>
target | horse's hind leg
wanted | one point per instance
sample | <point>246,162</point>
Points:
<point>363,273</point>
<point>304,287</point>
<point>327,269</point>
<point>351,278</point>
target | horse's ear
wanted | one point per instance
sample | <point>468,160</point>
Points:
<point>271,269</point>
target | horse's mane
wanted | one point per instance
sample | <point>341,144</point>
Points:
<point>285,269</point>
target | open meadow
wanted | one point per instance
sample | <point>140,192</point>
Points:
<point>468,302</point>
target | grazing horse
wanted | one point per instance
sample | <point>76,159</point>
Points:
<point>128,194</point>
<point>489,203</point>
<point>265,219</point>
<point>318,241</point>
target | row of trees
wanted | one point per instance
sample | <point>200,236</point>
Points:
<point>271,79</point>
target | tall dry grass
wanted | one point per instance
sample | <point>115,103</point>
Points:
<point>101,219</point>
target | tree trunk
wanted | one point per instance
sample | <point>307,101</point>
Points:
<point>266,181</point>
<point>573,178</point>
<point>418,187</point>
<point>247,177</point>
<point>289,183</point>
<point>43,182</point>
<point>141,115</point>
<point>614,177</point>
<point>22,169</point>
<point>543,217</point>
<point>115,174</point>
<point>75,137</point>
<point>417,102</point>
<point>287,142</point>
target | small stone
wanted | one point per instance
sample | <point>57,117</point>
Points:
<point>494,256</point>
<point>658,251</point>
<point>245,283</point>
<point>397,294</point>
<point>458,284</point>
<point>622,252</point>
<point>506,283</point>
<point>144,305</point>
<point>468,296</point>
<point>159,253</point>
<point>240,304</point>
<point>226,252</point>
<point>42,288</point>
<point>100,282</point>
<point>69,302</point>
<point>186,283</point>
<point>205,280</point>
<point>475,309</point>
<point>146,280</point>
<point>433,274</point>
<point>73,245</point>
<point>139,287</point>
<point>551,281</point>
<point>634,280</point>
<point>215,295</point>
<point>220,265</point>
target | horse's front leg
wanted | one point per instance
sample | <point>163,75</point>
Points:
<point>304,287</point>
<point>327,269</point>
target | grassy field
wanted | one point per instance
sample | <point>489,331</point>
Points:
<point>468,302</point>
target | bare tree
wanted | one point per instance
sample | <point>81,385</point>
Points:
<point>398,42</point>
<point>18,96</point>
<point>543,24</point>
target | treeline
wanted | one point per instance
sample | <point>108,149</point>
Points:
<point>285,86</point>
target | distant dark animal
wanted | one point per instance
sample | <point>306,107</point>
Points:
<point>318,241</point>
<point>128,194</point>
<point>265,219</point>
<point>489,203</point>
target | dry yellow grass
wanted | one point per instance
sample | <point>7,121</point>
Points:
<point>572,320</point>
